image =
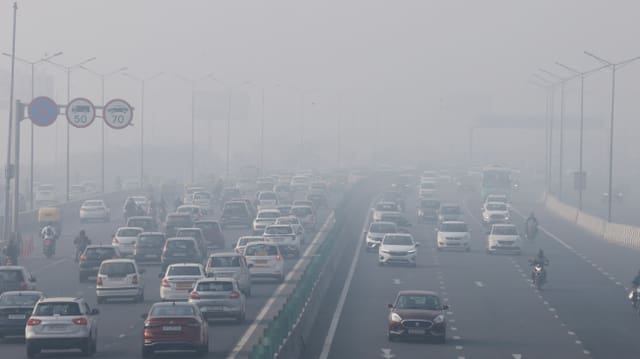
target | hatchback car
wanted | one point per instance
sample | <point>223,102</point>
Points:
<point>241,244</point>
<point>219,298</point>
<point>179,279</point>
<point>504,238</point>
<point>306,215</point>
<point>230,265</point>
<point>92,258</point>
<point>236,213</point>
<point>285,236</point>
<point>377,231</point>
<point>264,260</point>
<point>147,223</point>
<point>125,239</point>
<point>62,323</point>
<point>453,235</point>
<point>149,247</point>
<point>16,278</point>
<point>213,235</point>
<point>175,221</point>
<point>94,210</point>
<point>15,309</point>
<point>417,314</point>
<point>264,218</point>
<point>180,250</point>
<point>119,278</point>
<point>174,326</point>
<point>397,248</point>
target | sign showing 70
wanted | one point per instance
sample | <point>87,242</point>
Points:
<point>118,114</point>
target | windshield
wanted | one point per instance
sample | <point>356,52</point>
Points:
<point>496,207</point>
<point>450,210</point>
<point>242,241</point>
<point>128,232</point>
<point>178,221</point>
<point>268,196</point>
<point>301,211</point>
<point>398,240</point>
<point>176,310</point>
<point>25,300</point>
<point>377,227</point>
<point>418,302</point>
<point>189,233</point>
<point>224,261</point>
<point>184,270</point>
<point>181,245</point>
<point>269,215</point>
<point>156,240</point>
<point>504,230</point>
<point>453,227</point>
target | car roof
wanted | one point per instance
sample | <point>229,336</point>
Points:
<point>503,225</point>
<point>262,242</point>
<point>453,222</point>
<point>496,202</point>
<point>185,265</point>
<point>60,299</point>
<point>119,260</point>
<point>399,235</point>
<point>417,292</point>
<point>181,239</point>
<point>382,222</point>
<point>24,292</point>
<point>271,210</point>
<point>169,304</point>
<point>152,234</point>
<point>141,217</point>
<point>216,279</point>
<point>139,228</point>
<point>189,229</point>
<point>224,254</point>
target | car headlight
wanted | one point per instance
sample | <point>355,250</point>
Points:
<point>411,251</point>
<point>439,319</point>
<point>506,218</point>
<point>396,318</point>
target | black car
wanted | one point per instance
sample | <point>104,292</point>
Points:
<point>92,258</point>
<point>175,221</point>
<point>149,246</point>
<point>428,210</point>
<point>15,278</point>
<point>180,250</point>
<point>145,222</point>
<point>236,213</point>
<point>15,310</point>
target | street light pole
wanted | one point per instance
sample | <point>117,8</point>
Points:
<point>614,67</point>
<point>262,135</point>
<point>546,86</point>
<point>8,170</point>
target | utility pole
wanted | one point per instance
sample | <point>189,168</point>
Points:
<point>9,167</point>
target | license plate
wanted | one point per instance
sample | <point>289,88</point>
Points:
<point>17,316</point>
<point>168,328</point>
<point>260,261</point>
<point>183,285</point>
<point>56,327</point>
<point>416,331</point>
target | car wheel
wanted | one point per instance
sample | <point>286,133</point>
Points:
<point>86,347</point>
<point>203,349</point>
<point>391,337</point>
<point>32,350</point>
<point>442,339</point>
<point>147,352</point>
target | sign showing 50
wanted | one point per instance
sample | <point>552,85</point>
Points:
<point>80,112</point>
<point>118,114</point>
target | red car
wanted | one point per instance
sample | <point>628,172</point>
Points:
<point>175,326</point>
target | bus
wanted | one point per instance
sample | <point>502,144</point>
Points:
<point>496,179</point>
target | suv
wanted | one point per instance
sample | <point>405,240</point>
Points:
<point>92,258</point>
<point>149,246</point>
<point>16,278</point>
<point>62,323</point>
<point>428,210</point>
<point>180,250</point>
<point>230,265</point>
<point>119,278</point>
<point>175,221</point>
<point>236,213</point>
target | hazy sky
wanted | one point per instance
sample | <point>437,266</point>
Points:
<point>405,61</point>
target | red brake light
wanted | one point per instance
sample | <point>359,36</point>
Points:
<point>134,280</point>
<point>278,257</point>
<point>234,294</point>
<point>99,280</point>
<point>165,283</point>
<point>33,322</point>
<point>83,258</point>
<point>79,321</point>
<point>194,295</point>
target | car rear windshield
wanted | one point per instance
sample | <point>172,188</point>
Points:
<point>450,210</point>
<point>261,250</point>
<point>188,233</point>
<point>419,302</point>
<point>268,196</point>
<point>208,226</point>
<point>301,211</point>
<point>398,240</point>
<point>430,204</point>
<point>99,252</point>
<point>217,286</point>
<point>242,241</point>
<point>11,275</point>
<point>93,204</point>
<point>180,245</point>
<point>383,228</point>
<point>139,222</point>
<point>128,232</point>
<point>25,300</point>
<point>117,269</point>
<point>62,309</point>
<point>155,240</point>
<point>184,270</point>
<point>235,209</point>
<point>224,261</point>
<point>174,220</point>
<point>504,230</point>
<point>172,311</point>
<point>279,230</point>
<point>453,227</point>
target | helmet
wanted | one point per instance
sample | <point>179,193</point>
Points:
<point>540,253</point>
<point>82,232</point>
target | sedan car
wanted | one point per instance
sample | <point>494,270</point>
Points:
<point>62,323</point>
<point>15,309</point>
<point>125,239</point>
<point>94,210</point>
<point>495,212</point>
<point>264,218</point>
<point>92,258</point>
<point>384,207</point>
<point>264,260</point>
<point>377,231</point>
<point>453,235</point>
<point>178,280</point>
<point>244,240</point>
<point>417,314</point>
<point>174,326</point>
<point>397,248</point>
<point>230,265</point>
<point>119,278</point>
<point>504,238</point>
<point>219,298</point>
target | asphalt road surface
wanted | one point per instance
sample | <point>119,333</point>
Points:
<point>120,324</point>
<point>495,312</point>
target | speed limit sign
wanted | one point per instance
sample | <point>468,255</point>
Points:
<point>80,112</point>
<point>118,114</point>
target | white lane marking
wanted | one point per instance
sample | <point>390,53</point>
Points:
<point>586,352</point>
<point>265,309</point>
<point>578,342</point>
<point>572,333</point>
<point>479,284</point>
<point>455,337</point>
<point>516,356</point>
<point>459,347</point>
<point>121,336</point>
<point>333,327</point>
<point>386,354</point>
<point>454,328</point>
<point>397,281</point>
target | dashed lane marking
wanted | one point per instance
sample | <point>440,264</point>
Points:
<point>479,284</point>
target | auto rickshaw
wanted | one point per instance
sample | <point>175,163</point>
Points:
<point>50,216</point>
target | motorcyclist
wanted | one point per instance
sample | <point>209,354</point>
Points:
<point>532,225</point>
<point>541,260</point>
<point>81,242</point>
<point>635,283</point>
<point>12,251</point>
<point>49,232</point>
<point>130,208</point>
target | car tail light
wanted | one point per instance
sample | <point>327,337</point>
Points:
<point>234,295</point>
<point>99,280</point>
<point>134,280</point>
<point>194,295</point>
<point>33,322</point>
<point>278,257</point>
<point>115,240</point>
<point>79,321</point>
<point>83,258</point>
<point>165,283</point>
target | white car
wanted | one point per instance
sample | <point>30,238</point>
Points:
<point>264,218</point>
<point>196,212</point>
<point>495,212</point>
<point>377,231</point>
<point>94,210</point>
<point>294,222</point>
<point>306,215</point>
<point>453,235</point>
<point>285,236</point>
<point>384,207</point>
<point>219,298</point>
<point>119,278</point>
<point>504,238</point>
<point>178,280</point>
<point>230,265</point>
<point>125,239</point>
<point>244,240</point>
<point>427,189</point>
<point>267,199</point>
<point>497,198</point>
<point>397,248</point>
<point>264,260</point>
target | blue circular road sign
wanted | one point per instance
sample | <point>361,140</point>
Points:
<point>43,111</point>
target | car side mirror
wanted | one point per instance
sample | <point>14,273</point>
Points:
<point>390,306</point>
<point>142,271</point>
<point>417,244</point>
<point>445,307</point>
<point>32,279</point>
<point>95,311</point>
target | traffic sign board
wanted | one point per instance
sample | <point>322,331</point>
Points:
<point>118,114</point>
<point>80,112</point>
<point>43,111</point>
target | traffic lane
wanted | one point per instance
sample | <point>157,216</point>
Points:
<point>584,289</point>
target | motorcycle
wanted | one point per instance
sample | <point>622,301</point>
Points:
<point>49,247</point>
<point>538,275</point>
<point>634,297</point>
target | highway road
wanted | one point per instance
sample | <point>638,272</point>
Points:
<point>494,312</point>
<point>120,324</point>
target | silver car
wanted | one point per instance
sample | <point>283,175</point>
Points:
<point>230,265</point>
<point>119,278</point>
<point>219,298</point>
<point>62,323</point>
